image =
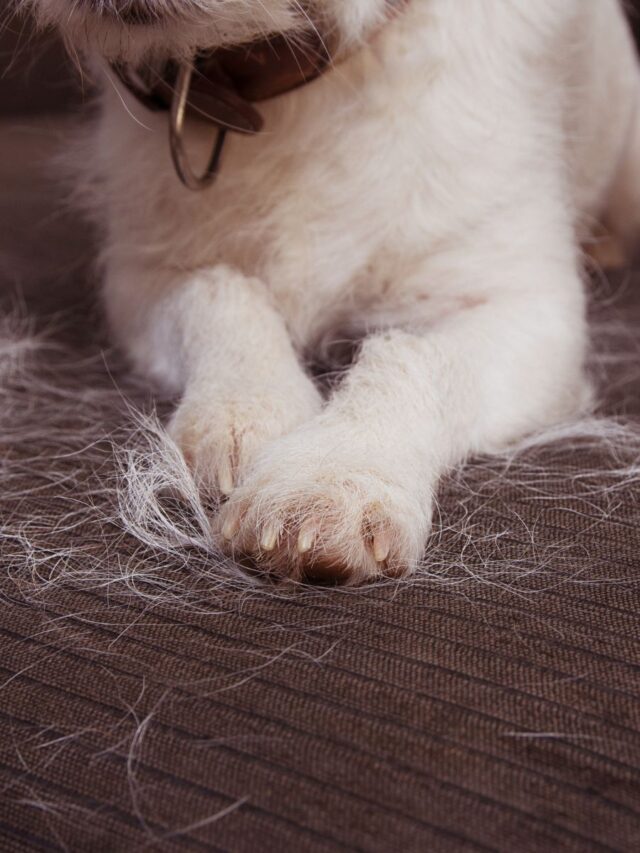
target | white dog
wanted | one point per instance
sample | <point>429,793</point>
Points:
<point>427,193</point>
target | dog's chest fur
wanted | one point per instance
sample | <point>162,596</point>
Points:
<point>398,153</point>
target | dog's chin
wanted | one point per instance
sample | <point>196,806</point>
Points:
<point>137,30</point>
<point>134,31</point>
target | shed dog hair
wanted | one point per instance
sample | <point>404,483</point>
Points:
<point>429,194</point>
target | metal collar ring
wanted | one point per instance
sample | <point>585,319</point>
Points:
<point>176,136</point>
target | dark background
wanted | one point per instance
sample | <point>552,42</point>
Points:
<point>35,73</point>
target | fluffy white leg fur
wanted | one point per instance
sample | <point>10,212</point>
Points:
<point>219,339</point>
<point>350,494</point>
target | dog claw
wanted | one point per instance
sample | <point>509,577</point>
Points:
<point>306,538</point>
<point>231,527</point>
<point>269,538</point>
<point>225,479</point>
<point>381,546</point>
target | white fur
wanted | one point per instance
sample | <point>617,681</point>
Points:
<point>429,194</point>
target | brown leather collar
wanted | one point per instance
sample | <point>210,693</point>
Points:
<point>223,85</point>
<point>226,82</point>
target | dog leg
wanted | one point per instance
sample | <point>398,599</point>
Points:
<point>219,341</point>
<point>349,495</point>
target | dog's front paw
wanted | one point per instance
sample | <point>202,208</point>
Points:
<point>314,510</point>
<point>220,434</point>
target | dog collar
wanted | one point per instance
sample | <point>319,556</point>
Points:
<point>220,87</point>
